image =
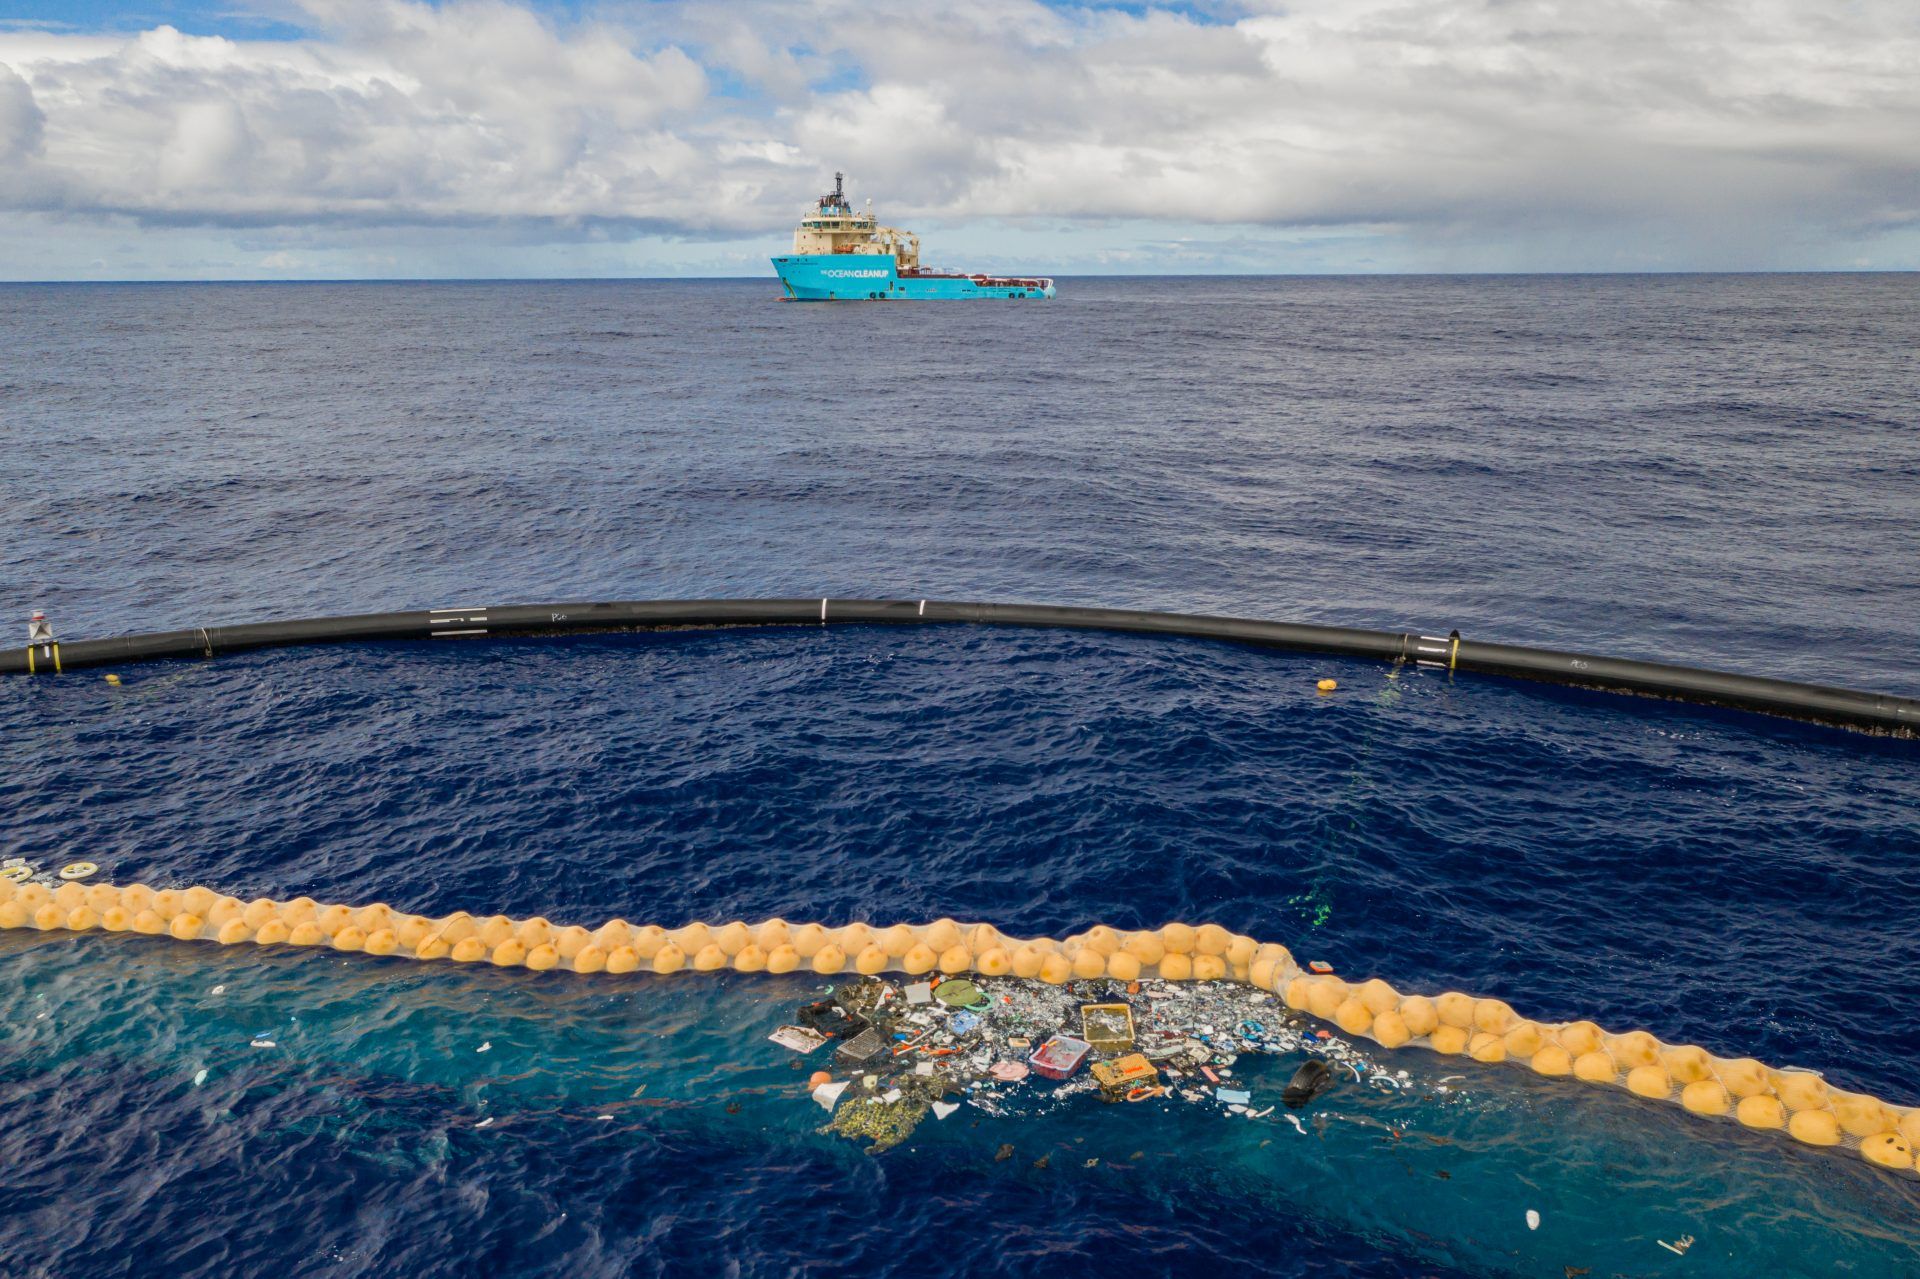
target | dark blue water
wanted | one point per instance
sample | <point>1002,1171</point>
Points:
<point>1721,470</point>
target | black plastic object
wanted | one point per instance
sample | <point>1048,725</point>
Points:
<point>1848,708</point>
<point>831,1020</point>
<point>1308,1082</point>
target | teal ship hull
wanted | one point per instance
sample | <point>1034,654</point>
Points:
<point>876,277</point>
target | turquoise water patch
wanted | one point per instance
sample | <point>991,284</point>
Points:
<point>247,1074</point>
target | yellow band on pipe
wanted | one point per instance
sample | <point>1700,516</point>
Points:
<point>1798,1102</point>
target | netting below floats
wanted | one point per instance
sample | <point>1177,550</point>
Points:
<point>1797,1102</point>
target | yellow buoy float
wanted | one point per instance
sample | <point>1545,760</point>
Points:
<point>1452,1023</point>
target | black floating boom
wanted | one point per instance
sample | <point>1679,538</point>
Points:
<point>1873,712</point>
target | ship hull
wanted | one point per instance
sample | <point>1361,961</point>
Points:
<point>872,277</point>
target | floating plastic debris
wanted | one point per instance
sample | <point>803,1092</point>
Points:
<point>1109,1027</point>
<point>958,993</point>
<point>1060,1056</point>
<point>1308,1082</point>
<point>798,1038</point>
<point>864,1046</point>
<point>1178,966</point>
<point>935,1056</point>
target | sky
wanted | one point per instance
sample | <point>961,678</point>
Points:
<point>352,139</point>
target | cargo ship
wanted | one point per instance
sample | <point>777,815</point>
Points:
<point>840,255</point>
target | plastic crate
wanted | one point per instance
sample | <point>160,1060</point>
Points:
<point>1108,1027</point>
<point>1059,1057</point>
<point>1116,1077</point>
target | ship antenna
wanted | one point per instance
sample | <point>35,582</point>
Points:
<point>839,195</point>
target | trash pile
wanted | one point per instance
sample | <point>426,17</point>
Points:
<point>892,1052</point>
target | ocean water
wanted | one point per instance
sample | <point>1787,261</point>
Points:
<point>1723,470</point>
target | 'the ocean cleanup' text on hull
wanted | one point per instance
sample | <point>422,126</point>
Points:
<point>843,256</point>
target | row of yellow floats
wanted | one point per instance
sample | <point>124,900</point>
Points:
<point>1488,1030</point>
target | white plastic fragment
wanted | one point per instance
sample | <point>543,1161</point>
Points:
<point>941,1109</point>
<point>484,1047</point>
<point>827,1094</point>
<point>800,1039</point>
<point>1533,1220</point>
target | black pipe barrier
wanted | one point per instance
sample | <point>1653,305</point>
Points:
<point>1878,713</point>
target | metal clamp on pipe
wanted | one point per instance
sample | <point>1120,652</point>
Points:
<point>42,650</point>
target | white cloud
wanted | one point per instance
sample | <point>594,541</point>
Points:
<point>21,120</point>
<point>404,113</point>
<point>1726,133</point>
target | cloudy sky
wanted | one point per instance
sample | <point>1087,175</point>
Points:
<point>401,138</point>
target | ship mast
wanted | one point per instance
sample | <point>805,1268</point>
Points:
<point>838,198</point>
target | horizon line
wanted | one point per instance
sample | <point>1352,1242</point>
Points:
<point>1094,275</point>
